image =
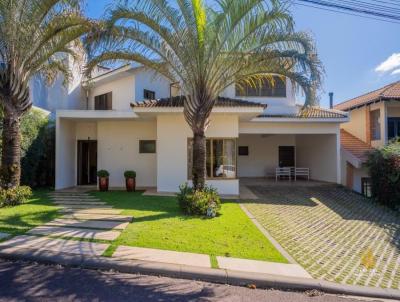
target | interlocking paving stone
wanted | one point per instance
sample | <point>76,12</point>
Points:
<point>91,211</point>
<point>106,217</point>
<point>56,245</point>
<point>95,224</point>
<point>146,254</point>
<point>328,230</point>
<point>255,266</point>
<point>3,235</point>
<point>75,232</point>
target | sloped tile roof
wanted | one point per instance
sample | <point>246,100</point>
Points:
<point>178,101</point>
<point>391,91</point>
<point>355,146</point>
<point>310,112</point>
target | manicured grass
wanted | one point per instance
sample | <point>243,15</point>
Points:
<point>19,219</point>
<point>159,223</point>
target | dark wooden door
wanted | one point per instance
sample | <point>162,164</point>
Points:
<point>286,156</point>
<point>87,162</point>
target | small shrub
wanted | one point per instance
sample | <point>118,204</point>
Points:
<point>384,169</point>
<point>15,196</point>
<point>103,173</point>
<point>204,202</point>
<point>130,174</point>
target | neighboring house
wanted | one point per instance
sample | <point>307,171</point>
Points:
<point>135,122</point>
<point>374,120</point>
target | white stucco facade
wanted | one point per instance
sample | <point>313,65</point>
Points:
<point>118,133</point>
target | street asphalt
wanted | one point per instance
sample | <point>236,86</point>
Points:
<point>23,281</point>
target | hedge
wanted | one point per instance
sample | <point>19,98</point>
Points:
<point>384,170</point>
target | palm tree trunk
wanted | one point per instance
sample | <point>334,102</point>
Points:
<point>11,153</point>
<point>199,160</point>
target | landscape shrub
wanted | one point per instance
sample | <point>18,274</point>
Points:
<point>130,174</point>
<point>103,173</point>
<point>204,202</point>
<point>37,149</point>
<point>384,170</point>
<point>15,196</point>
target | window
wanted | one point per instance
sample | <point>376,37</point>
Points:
<point>393,127</point>
<point>103,101</point>
<point>147,146</point>
<point>243,150</point>
<point>264,89</point>
<point>375,124</point>
<point>220,158</point>
<point>366,187</point>
<point>149,95</point>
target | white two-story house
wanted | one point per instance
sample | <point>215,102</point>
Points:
<point>131,119</point>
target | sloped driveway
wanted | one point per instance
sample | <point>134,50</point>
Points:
<point>334,234</point>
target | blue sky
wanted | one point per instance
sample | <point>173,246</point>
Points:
<point>358,54</point>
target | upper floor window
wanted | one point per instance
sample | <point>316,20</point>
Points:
<point>149,94</point>
<point>263,89</point>
<point>103,101</point>
<point>375,124</point>
<point>147,146</point>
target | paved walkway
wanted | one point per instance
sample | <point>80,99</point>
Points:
<point>331,232</point>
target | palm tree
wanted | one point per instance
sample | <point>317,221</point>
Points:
<point>36,36</point>
<point>207,48</point>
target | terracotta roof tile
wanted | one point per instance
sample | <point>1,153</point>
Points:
<point>310,112</point>
<point>355,146</point>
<point>178,101</point>
<point>391,91</point>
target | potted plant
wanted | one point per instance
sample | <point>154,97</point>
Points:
<point>130,181</point>
<point>103,180</point>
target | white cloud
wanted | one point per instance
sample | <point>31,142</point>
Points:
<point>396,71</point>
<point>393,62</point>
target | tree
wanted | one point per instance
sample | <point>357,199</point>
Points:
<point>207,48</point>
<point>36,37</point>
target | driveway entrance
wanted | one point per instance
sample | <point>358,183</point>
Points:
<point>335,234</point>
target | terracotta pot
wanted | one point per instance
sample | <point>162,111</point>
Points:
<point>130,184</point>
<point>103,184</point>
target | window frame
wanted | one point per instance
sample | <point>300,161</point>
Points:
<point>211,139</point>
<point>142,141</point>
<point>365,184</point>
<point>107,101</point>
<point>150,92</point>
<point>257,92</point>
<point>396,126</point>
<point>375,126</point>
<point>243,148</point>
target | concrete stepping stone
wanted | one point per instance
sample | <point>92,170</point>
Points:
<point>84,206</point>
<point>4,235</point>
<point>75,198</point>
<point>56,245</point>
<point>156,255</point>
<point>105,217</point>
<point>255,266</point>
<point>75,232</point>
<point>95,224</point>
<point>91,211</point>
<point>80,202</point>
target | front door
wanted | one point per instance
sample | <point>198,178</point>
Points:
<point>87,162</point>
<point>286,156</point>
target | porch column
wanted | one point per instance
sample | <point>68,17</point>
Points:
<point>338,158</point>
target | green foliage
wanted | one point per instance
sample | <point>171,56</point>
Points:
<point>103,173</point>
<point>14,196</point>
<point>37,149</point>
<point>204,202</point>
<point>130,174</point>
<point>384,169</point>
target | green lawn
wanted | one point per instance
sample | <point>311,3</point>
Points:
<point>19,219</point>
<point>159,223</point>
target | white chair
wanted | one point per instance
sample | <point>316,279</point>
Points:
<point>282,172</point>
<point>302,172</point>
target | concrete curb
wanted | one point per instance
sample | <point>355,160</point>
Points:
<point>199,273</point>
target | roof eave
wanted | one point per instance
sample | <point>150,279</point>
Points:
<point>300,120</point>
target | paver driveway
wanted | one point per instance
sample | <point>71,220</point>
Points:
<point>331,232</point>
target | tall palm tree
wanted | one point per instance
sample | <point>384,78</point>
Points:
<point>206,48</point>
<point>36,36</point>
